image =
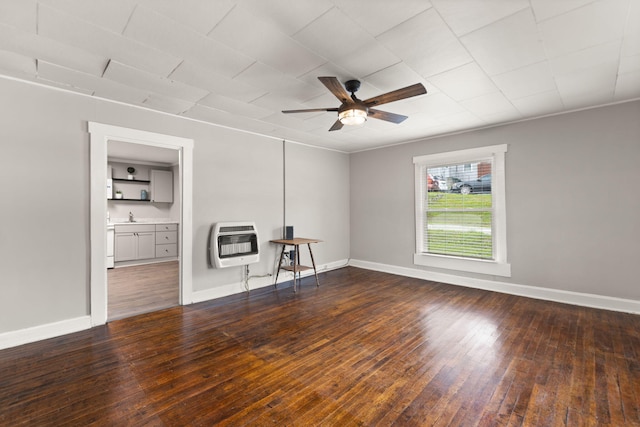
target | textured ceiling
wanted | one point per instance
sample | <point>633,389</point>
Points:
<point>238,63</point>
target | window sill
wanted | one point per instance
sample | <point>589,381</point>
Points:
<point>463,264</point>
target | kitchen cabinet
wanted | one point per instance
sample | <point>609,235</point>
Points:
<point>161,186</point>
<point>166,240</point>
<point>134,242</point>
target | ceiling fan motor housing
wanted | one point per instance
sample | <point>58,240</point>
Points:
<point>352,85</point>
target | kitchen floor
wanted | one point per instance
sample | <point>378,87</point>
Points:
<point>142,288</point>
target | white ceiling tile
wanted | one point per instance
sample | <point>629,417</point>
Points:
<point>197,76</point>
<point>371,56</point>
<point>100,13</point>
<point>426,44</point>
<point>328,69</point>
<point>290,16</point>
<point>168,105</point>
<point>68,29</point>
<point>397,76</point>
<point>506,45</point>
<point>15,63</point>
<point>583,88</point>
<point>326,100</point>
<point>526,81</point>
<point>333,36</point>
<point>149,82</point>
<point>539,104</point>
<point>108,89</point>
<point>489,105</point>
<point>90,83</point>
<point>467,81</point>
<point>160,32</point>
<point>265,77</point>
<point>462,119</point>
<point>629,64</point>
<point>600,56</point>
<point>502,117</point>
<point>200,15</point>
<point>31,45</point>
<point>19,13</point>
<point>301,91</point>
<point>278,102</point>
<point>379,16</point>
<point>464,16</point>
<point>67,76</point>
<point>631,43</point>
<point>628,86</point>
<point>545,9</point>
<point>593,24</point>
<point>63,86</point>
<point>437,105</point>
<point>233,106</point>
<point>273,47</point>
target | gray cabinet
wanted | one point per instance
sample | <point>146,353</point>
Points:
<point>166,240</point>
<point>134,242</point>
<point>161,186</point>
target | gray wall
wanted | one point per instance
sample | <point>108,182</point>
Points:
<point>44,218</point>
<point>572,201</point>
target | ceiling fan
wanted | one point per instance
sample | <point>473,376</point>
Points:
<point>354,111</point>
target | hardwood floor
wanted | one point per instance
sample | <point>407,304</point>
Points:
<point>365,348</point>
<point>142,288</point>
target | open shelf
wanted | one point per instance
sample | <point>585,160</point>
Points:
<point>131,200</point>
<point>135,181</point>
<point>298,267</point>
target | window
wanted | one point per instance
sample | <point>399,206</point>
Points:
<point>460,211</point>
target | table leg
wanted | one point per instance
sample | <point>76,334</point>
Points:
<point>313,262</point>
<point>296,262</point>
<point>275,284</point>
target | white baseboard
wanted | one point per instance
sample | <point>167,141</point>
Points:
<point>547,294</point>
<point>43,332</point>
<point>260,282</point>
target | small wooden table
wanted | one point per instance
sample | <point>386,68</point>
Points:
<point>296,267</point>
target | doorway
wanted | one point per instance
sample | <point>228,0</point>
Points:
<point>100,136</point>
<point>150,281</point>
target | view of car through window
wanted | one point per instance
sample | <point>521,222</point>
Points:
<point>459,211</point>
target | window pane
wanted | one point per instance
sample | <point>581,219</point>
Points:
<point>465,178</point>
<point>459,210</point>
<point>465,234</point>
<point>443,201</point>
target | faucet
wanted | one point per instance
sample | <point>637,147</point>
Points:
<point>130,217</point>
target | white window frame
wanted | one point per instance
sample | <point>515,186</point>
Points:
<point>497,266</point>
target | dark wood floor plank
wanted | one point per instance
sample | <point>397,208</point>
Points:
<point>364,348</point>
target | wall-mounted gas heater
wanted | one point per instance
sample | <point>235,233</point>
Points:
<point>234,243</point>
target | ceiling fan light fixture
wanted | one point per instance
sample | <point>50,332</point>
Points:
<point>352,116</point>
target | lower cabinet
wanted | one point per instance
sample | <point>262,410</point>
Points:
<point>145,241</point>
<point>133,242</point>
<point>166,240</point>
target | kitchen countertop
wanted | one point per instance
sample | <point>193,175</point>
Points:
<point>124,221</point>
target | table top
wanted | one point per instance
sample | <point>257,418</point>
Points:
<point>295,241</point>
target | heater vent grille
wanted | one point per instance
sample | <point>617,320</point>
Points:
<point>234,243</point>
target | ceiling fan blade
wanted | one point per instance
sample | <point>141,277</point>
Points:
<point>396,95</point>
<point>336,126</point>
<point>336,88</point>
<point>389,117</point>
<point>310,110</point>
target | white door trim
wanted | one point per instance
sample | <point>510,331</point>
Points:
<point>100,134</point>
